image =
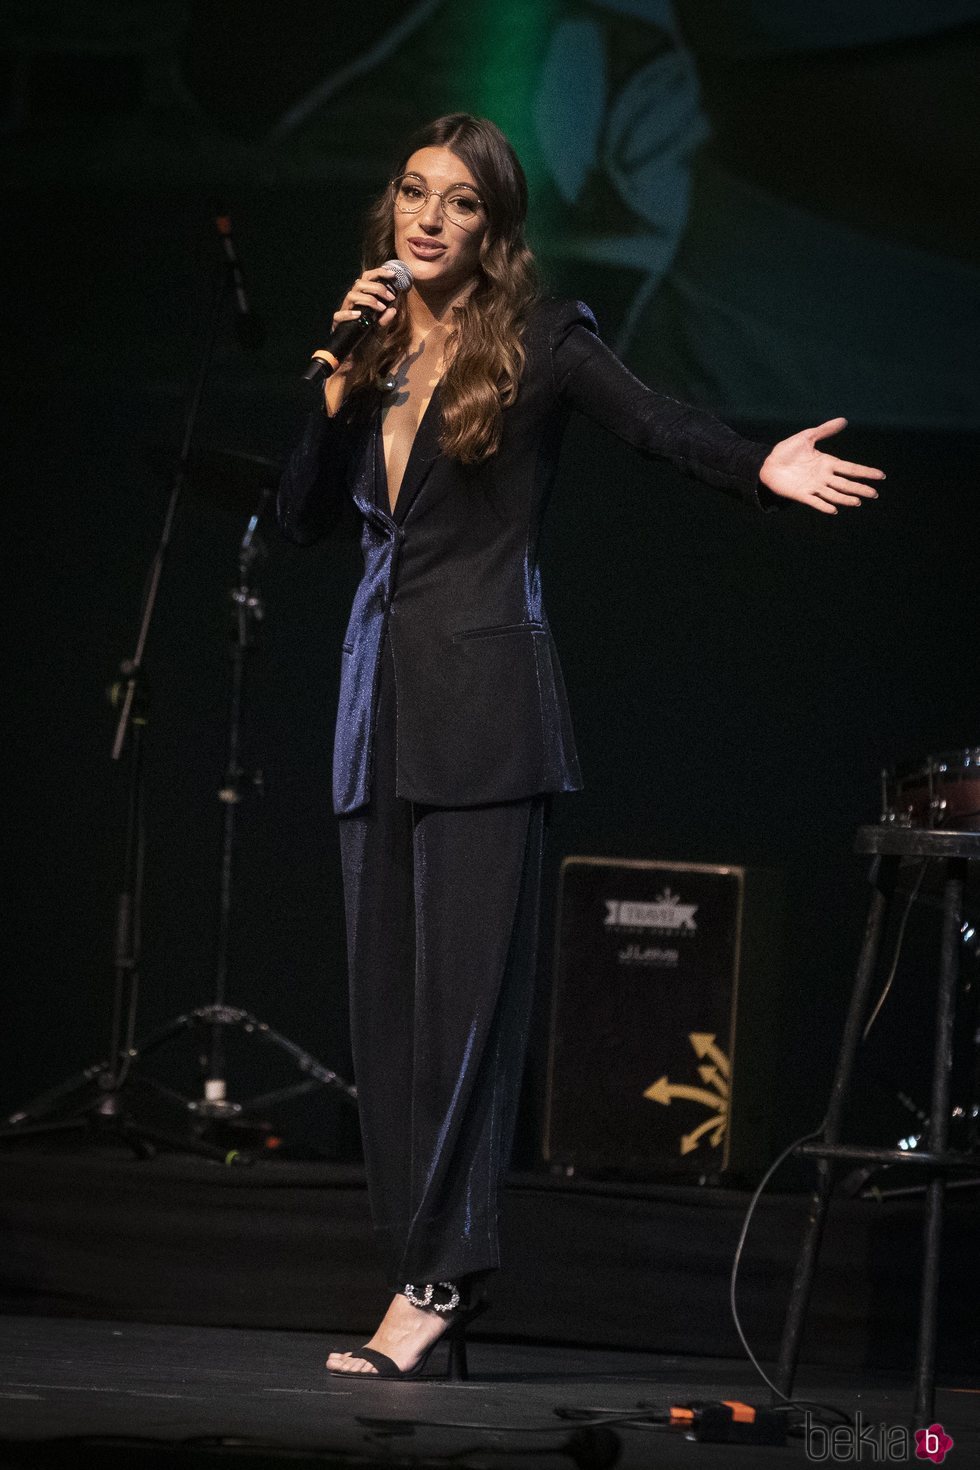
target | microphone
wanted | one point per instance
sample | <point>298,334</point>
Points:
<point>248,327</point>
<point>348,335</point>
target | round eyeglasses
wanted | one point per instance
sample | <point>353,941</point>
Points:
<point>460,202</point>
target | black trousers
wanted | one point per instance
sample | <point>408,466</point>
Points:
<point>442,907</point>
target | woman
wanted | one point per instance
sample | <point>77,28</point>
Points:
<point>453,728</point>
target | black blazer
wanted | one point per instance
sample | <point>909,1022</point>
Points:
<point>482,714</point>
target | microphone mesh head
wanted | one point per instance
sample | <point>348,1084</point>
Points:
<point>401,276</point>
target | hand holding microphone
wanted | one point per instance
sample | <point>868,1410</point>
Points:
<point>368,304</point>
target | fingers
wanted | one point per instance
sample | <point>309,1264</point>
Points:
<point>376,280</point>
<point>854,487</point>
<point>837,499</point>
<point>378,300</point>
<point>868,472</point>
<point>832,495</point>
<point>369,291</point>
<point>824,430</point>
<point>384,320</point>
<point>825,500</point>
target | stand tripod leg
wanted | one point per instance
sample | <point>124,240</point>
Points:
<point>806,1266</point>
<point>942,1065</point>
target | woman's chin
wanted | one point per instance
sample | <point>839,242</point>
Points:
<point>429,275</point>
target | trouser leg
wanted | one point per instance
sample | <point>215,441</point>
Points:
<point>442,918</point>
<point>379,900</point>
<point>477,886</point>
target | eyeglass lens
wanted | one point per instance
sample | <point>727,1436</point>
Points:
<point>460,202</point>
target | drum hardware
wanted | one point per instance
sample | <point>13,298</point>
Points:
<point>934,791</point>
<point>940,791</point>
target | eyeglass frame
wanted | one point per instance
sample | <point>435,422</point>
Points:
<point>440,194</point>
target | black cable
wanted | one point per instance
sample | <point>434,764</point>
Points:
<point>899,941</point>
<point>789,1402</point>
<point>602,1417</point>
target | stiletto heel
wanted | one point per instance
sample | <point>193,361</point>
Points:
<point>456,1357</point>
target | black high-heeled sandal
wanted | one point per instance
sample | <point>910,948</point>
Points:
<point>458,1314</point>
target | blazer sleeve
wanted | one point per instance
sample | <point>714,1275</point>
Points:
<point>313,484</point>
<point>590,378</point>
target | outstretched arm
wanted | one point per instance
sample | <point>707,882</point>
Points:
<point>591,379</point>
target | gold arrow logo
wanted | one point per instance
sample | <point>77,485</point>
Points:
<point>712,1075</point>
<point>662,1091</point>
<point>690,1140</point>
<point>715,1072</point>
<point>704,1046</point>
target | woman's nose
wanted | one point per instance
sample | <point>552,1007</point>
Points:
<point>431,216</point>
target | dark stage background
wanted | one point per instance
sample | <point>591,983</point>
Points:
<point>771,208</point>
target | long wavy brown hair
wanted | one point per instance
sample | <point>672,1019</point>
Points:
<point>484,352</point>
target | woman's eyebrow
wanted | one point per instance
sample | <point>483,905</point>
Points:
<point>457,183</point>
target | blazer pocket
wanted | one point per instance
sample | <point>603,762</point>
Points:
<point>496,629</point>
<point>347,648</point>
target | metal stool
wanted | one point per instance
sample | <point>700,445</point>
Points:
<point>890,844</point>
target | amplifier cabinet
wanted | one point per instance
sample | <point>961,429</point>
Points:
<point>654,1053</point>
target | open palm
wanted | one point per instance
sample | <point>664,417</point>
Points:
<point>797,470</point>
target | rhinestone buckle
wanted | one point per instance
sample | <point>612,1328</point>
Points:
<point>425,1300</point>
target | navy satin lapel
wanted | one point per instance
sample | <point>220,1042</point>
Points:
<point>370,489</point>
<point>422,456</point>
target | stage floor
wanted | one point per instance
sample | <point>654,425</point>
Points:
<point>78,1393</point>
<point>287,1247</point>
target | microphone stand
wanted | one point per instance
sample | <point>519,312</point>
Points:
<point>214,1104</point>
<point>248,611</point>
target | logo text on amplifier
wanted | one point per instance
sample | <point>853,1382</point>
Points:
<point>665,913</point>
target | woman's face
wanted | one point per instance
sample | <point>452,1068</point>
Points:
<point>440,246</point>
